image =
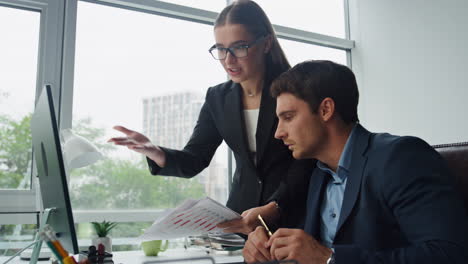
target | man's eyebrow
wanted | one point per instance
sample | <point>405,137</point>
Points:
<point>286,112</point>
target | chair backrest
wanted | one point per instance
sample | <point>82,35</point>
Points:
<point>456,156</point>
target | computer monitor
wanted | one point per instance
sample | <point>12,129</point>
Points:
<point>51,171</point>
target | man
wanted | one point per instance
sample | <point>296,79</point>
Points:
<point>373,198</point>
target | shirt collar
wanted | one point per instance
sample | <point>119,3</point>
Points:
<point>345,159</point>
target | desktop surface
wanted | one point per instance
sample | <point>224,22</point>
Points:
<point>125,257</point>
<point>137,256</point>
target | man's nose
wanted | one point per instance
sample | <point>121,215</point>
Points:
<point>279,133</point>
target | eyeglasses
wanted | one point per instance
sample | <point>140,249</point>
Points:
<point>238,51</point>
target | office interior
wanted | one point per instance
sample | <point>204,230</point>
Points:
<point>120,61</point>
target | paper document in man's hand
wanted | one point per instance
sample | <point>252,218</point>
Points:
<point>191,218</point>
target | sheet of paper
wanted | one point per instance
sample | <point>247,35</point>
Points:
<point>191,218</point>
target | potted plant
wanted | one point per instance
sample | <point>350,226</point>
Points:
<point>102,230</point>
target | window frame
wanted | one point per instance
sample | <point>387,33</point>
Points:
<point>191,14</point>
<point>49,68</point>
<point>57,51</point>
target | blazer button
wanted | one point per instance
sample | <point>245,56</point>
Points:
<point>259,181</point>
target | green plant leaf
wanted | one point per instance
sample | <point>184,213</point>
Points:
<point>103,228</point>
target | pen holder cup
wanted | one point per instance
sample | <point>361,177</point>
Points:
<point>153,247</point>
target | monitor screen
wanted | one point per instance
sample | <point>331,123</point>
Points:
<point>51,170</point>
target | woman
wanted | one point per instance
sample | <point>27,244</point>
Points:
<point>242,113</point>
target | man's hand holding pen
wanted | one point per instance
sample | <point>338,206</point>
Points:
<point>284,244</point>
<point>256,247</point>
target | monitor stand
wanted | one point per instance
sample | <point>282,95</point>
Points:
<point>38,240</point>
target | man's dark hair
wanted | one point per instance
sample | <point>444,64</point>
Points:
<point>315,80</point>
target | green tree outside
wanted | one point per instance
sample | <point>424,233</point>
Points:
<point>124,184</point>
<point>111,183</point>
<point>108,184</point>
<point>15,152</point>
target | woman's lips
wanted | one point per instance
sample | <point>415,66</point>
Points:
<point>234,71</point>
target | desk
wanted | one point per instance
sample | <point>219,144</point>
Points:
<point>136,257</point>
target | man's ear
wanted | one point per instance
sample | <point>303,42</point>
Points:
<point>327,109</point>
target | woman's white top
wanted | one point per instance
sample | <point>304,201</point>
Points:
<point>251,120</point>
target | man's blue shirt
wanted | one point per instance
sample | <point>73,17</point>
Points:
<point>333,198</point>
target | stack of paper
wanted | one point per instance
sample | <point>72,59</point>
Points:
<point>227,242</point>
<point>191,218</point>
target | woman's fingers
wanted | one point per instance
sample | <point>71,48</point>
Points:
<point>123,129</point>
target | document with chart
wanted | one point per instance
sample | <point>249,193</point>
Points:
<point>191,218</point>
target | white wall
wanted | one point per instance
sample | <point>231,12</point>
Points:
<point>411,64</point>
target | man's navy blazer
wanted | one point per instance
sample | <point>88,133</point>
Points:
<point>399,205</point>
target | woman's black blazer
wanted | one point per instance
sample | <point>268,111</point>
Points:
<point>277,176</point>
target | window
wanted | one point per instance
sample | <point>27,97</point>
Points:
<point>124,59</point>
<point>136,69</point>
<point>18,68</point>
<point>298,52</point>
<point>139,70</point>
<point>319,16</point>
<point>30,54</point>
<point>211,5</point>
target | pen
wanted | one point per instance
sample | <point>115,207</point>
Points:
<point>264,225</point>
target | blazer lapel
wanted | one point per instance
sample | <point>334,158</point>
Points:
<point>234,122</point>
<point>266,119</point>
<point>356,171</point>
<point>314,200</point>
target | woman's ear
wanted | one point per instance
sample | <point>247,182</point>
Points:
<point>268,43</point>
